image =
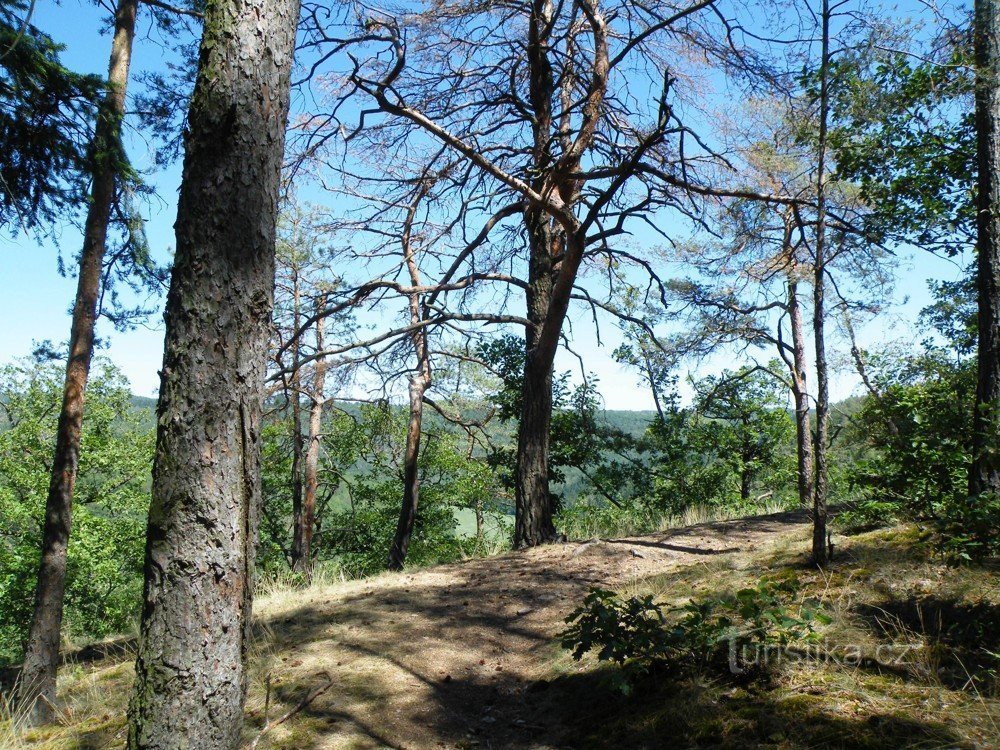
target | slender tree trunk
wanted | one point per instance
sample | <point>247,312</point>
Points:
<point>984,473</point>
<point>819,543</point>
<point>800,392</point>
<point>41,656</point>
<point>315,436</point>
<point>195,630</point>
<point>746,479</point>
<point>477,504</point>
<point>419,383</point>
<point>411,471</point>
<point>479,521</point>
<point>295,400</point>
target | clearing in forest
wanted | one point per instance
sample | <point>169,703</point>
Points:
<point>467,655</point>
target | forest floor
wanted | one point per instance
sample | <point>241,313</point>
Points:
<point>467,655</point>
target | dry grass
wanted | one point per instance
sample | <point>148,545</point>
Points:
<point>466,655</point>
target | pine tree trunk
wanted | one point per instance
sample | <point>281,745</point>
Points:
<point>984,473</point>
<point>195,630</point>
<point>41,656</point>
<point>411,472</point>
<point>532,500</point>
<point>419,383</point>
<point>533,505</point>
<point>312,451</point>
<point>800,392</point>
<point>820,554</point>
<point>295,400</point>
<point>533,523</point>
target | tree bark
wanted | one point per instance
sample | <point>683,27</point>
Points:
<point>800,392</point>
<point>533,502</point>
<point>37,690</point>
<point>298,516</point>
<point>533,522</point>
<point>411,471</point>
<point>195,629</point>
<point>820,553</point>
<point>318,399</point>
<point>419,383</point>
<point>984,473</point>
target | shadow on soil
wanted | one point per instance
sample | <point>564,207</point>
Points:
<point>513,605</point>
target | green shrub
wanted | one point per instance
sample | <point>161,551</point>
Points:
<point>867,514</point>
<point>969,530</point>
<point>725,634</point>
<point>110,503</point>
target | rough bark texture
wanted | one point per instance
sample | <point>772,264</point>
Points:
<point>820,554</point>
<point>984,473</point>
<point>315,437</point>
<point>800,392</point>
<point>41,656</point>
<point>533,521</point>
<point>195,630</point>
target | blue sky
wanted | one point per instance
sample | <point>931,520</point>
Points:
<point>34,298</point>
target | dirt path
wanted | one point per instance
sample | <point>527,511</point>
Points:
<point>461,655</point>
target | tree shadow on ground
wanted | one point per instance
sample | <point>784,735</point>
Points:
<point>469,662</point>
<point>585,711</point>
<point>963,637</point>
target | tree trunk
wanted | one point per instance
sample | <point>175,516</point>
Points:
<point>800,392</point>
<point>984,473</point>
<point>315,436</point>
<point>819,542</point>
<point>532,500</point>
<point>419,384</point>
<point>746,479</point>
<point>298,516</point>
<point>533,523</point>
<point>479,521</point>
<point>411,472</point>
<point>195,630</point>
<point>41,656</point>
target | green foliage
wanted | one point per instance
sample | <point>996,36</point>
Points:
<point>361,491</point>
<point>580,439</point>
<point>919,431</point>
<point>723,634</point>
<point>104,568</point>
<point>589,518</point>
<point>749,425</point>
<point>716,453</point>
<point>919,428</point>
<point>45,116</point>
<point>969,531</point>
<point>905,134</point>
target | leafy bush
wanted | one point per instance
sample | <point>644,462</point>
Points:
<point>724,634</point>
<point>919,429</point>
<point>104,561</point>
<point>969,531</point>
<point>867,514</point>
<point>358,538</point>
<point>587,519</point>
